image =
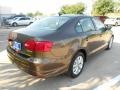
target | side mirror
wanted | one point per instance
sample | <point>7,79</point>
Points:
<point>108,27</point>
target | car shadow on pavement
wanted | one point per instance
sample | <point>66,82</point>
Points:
<point>97,70</point>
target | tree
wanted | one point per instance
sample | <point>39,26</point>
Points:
<point>73,9</point>
<point>30,14</point>
<point>102,7</point>
<point>37,13</point>
<point>117,7</point>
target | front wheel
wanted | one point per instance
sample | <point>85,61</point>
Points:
<point>110,43</point>
<point>76,65</point>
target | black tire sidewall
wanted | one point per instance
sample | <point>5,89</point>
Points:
<point>14,24</point>
<point>70,71</point>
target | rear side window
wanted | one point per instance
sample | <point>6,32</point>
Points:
<point>99,25</point>
<point>22,19</point>
<point>87,24</point>
<point>78,27</point>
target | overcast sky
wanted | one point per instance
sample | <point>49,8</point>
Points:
<point>44,6</point>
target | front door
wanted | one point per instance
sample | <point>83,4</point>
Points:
<point>103,33</point>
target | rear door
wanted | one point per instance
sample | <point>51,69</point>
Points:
<point>21,21</point>
<point>92,37</point>
<point>27,21</point>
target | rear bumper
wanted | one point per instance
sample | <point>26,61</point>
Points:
<point>39,70</point>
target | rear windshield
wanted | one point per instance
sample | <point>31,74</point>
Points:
<point>49,23</point>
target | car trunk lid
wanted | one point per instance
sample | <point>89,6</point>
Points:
<point>18,38</point>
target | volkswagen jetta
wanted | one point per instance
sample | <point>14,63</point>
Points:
<point>58,44</point>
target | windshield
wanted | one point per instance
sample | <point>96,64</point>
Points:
<point>49,23</point>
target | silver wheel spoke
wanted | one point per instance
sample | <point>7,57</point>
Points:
<point>78,64</point>
<point>111,42</point>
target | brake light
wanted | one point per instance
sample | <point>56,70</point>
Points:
<point>30,45</point>
<point>42,46</point>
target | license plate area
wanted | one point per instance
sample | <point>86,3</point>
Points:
<point>16,46</point>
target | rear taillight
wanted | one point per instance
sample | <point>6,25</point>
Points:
<point>30,45</point>
<point>42,46</point>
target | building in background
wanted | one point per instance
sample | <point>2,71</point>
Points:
<point>5,12</point>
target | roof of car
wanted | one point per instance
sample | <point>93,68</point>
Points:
<point>75,15</point>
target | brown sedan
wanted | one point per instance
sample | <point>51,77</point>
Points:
<point>58,44</point>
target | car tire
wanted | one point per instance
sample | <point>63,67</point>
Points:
<point>110,43</point>
<point>76,65</point>
<point>14,24</point>
<point>116,24</point>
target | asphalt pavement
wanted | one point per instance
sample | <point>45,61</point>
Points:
<point>101,71</point>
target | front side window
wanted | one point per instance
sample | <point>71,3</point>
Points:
<point>99,25</point>
<point>14,18</point>
<point>49,23</point>
<point>27,18</point>
<point>87,25</point>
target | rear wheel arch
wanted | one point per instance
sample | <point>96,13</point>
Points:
<point>82,51</point>
<point>30,23</point>
<point>14,24</point>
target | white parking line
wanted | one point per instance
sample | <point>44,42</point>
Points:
<point>3,41</point>
<point>4,57</point>
<point>3,52</point>
<point>108,84</point>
